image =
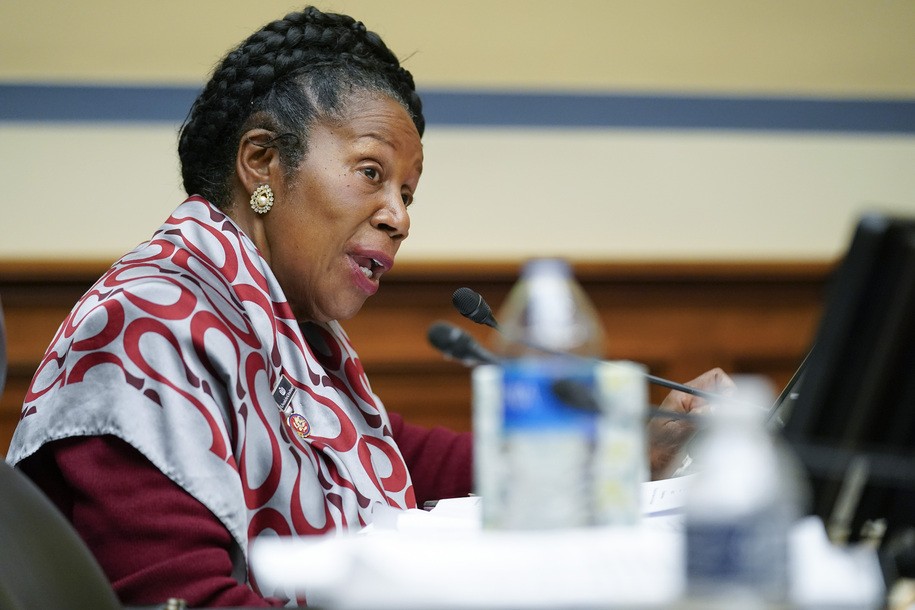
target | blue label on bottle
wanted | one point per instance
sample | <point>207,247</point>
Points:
<point>533,398</point>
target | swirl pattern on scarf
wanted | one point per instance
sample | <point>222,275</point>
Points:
<point>177,350</point>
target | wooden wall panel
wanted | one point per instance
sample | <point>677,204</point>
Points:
<point>679,319</point>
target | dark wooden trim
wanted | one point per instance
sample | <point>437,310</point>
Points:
<point>677,317</point>
<point>87,270</point>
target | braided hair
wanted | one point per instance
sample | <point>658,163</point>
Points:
<point>284,77</point>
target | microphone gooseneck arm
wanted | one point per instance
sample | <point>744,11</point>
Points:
<point>474,307</point>
<point>459,345</point>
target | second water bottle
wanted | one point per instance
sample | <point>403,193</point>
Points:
<point>559,440</point>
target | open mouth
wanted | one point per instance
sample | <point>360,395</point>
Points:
<point>369,267</point>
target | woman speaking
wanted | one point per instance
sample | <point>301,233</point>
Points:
<point>202,392</point>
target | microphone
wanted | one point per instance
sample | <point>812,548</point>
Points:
<point>472,306</point>
<point>459,345</point>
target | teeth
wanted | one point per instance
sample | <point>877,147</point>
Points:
<point>366,271</point>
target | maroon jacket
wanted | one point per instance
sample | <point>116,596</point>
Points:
<point>155,541</point>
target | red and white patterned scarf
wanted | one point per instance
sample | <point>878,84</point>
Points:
<point>187,349</point>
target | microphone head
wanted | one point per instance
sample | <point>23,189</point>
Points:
<point>457,344</point>
<point>442,335</point>
<point>472,306</point>
<point>575,394</point>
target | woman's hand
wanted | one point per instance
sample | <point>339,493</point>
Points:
<point>666,436</point>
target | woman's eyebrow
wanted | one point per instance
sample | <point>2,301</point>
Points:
<point>374,135</point>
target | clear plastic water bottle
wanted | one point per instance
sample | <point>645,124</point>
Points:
<point>548,311</point>
<point>539,416</point>
<point>745,496</point>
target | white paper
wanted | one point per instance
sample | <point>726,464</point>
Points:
<point>442,558</point>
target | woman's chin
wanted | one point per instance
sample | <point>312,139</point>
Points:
<point>343,310</point>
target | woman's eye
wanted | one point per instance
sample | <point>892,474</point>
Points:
<point>371,173</point>
<point>407,199</point>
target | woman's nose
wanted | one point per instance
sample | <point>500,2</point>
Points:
<point>393,217</point>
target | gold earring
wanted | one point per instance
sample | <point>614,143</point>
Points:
<point>262,199</point>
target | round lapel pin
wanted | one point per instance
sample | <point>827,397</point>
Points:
<point>299,425</point>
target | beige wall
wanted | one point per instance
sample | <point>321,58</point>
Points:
<point>822,47</point>
<point>94,190</point>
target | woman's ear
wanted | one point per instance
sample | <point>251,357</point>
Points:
<point>257,161</point>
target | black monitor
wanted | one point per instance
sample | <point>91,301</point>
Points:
<point>852,420</point>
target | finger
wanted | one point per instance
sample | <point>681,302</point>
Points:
<point>693,404</point>
<point>714,380</point>
<point>668,415</point>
